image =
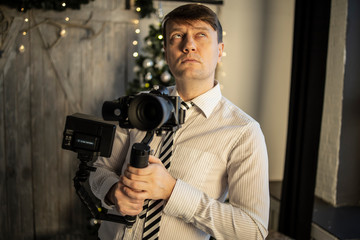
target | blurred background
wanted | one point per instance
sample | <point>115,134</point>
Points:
<point>59,60</point>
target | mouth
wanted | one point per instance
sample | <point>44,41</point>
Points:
<point>189,60</point>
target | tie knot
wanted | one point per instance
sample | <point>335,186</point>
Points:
<point>186,105</point>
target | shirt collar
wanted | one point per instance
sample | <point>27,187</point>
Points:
<point>207,101</point>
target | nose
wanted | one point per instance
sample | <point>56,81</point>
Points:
<point>189,44</point>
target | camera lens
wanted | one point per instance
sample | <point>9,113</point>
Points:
<point>149,112</point>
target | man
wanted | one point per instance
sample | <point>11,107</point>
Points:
<point>218,152</point>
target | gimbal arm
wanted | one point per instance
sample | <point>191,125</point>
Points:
<point>139,158</point>
<point>81,176</point>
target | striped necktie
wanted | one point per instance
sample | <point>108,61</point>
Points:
<point>153,208</point>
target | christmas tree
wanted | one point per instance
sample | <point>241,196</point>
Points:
<point>151,68</point>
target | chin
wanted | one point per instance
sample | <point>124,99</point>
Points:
<point>191,74</point>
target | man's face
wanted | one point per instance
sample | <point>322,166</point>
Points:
<point>192,50</point>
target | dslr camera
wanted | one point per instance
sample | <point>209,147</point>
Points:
<point>153,111</point>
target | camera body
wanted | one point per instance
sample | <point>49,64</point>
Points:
<point>153,111</point>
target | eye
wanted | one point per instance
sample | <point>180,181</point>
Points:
<point>176,36</point>
<point>201,35</point>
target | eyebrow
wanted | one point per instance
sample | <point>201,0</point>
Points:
<point>196,28</point>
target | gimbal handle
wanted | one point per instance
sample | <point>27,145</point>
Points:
<point>139,158</point>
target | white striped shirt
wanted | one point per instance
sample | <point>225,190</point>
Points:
<point>219,151</point>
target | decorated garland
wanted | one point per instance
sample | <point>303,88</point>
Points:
<point>57,5</point>
<point>151,68</point>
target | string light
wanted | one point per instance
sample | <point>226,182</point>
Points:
<point>138,9</point>
<point>63,33</point>
<point>224,35</point>
<point>137,31</point>
<point>220,72</point>
<point>160,37</point>
<point>22,48</point>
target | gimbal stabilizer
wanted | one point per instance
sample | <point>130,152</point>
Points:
<point>153,112</point>
<point>91,138</point>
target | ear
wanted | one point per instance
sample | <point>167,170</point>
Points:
<point>220,50</point>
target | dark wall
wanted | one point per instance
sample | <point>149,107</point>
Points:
<point>349,167</point>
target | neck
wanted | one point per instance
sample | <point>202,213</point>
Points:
<point>190,90</point>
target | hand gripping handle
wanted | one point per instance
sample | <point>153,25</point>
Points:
<point>139,158</point>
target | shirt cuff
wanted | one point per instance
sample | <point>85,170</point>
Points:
<point>108,183</point>
<point>183,202</point>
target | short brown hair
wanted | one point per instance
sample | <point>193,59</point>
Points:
<point>193,12</point>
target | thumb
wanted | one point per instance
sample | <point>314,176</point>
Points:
<point>153,160</point>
